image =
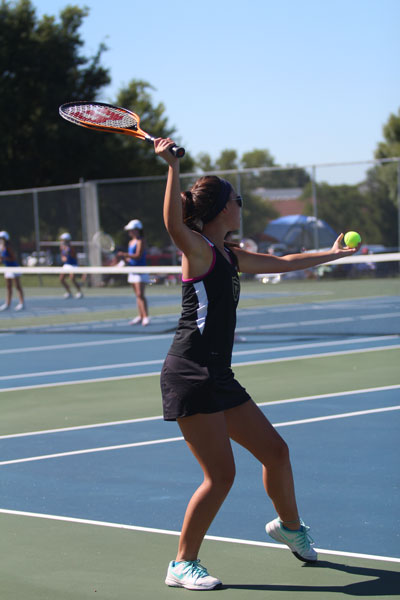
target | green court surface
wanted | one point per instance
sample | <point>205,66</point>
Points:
<point>61,406</point>
<point>55,560</point>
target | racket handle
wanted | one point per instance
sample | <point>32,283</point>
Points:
<point>177,151</point>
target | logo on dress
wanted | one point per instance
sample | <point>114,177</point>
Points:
<point>236,287</point>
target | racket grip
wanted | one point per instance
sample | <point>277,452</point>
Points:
<point>177,151</point>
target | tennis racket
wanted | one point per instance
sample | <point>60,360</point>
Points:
<point>106,117</point>
<point>104,242</point>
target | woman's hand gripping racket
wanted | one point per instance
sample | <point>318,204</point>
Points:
<point>106,117</point>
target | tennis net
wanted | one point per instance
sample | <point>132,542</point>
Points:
<point>356,296</point>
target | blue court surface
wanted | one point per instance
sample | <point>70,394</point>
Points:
<point>140,473</point>
<point>137,473</point>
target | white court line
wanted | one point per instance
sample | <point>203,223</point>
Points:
<point>318,344</point>
<point>214,538</point>
<point>155,362</point>
<point>170,335</point>
<point>157,373</point>
<point>143,338</point>
<point>160,418</point>
<point>141,363</point>
<point>179,439</point>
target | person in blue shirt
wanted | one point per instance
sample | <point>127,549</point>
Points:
<point>136,257</point>
<point>7,258</point>
<point>69,260</point>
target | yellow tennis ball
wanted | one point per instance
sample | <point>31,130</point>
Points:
<point>352,239</point>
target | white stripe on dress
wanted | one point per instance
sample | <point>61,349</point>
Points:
<point>202,305</point>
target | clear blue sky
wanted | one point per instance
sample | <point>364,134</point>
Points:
<point>312,80</point>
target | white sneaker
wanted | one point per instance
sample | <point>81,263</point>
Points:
<point>4,307</point>
<point>145,321</point>
<point>298,541</point>
<point>135,321</point>
<point>78,295</point>
<point>67,295</point>
<point>190,575</point>
<point>20,306</point>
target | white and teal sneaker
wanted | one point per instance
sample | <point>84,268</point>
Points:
<point>190,575</point>
<point>299,541</point>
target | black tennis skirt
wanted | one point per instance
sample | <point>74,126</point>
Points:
<point>188,388</point>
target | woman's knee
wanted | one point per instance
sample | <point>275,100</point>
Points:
<point>279,454</point>
<point>222,478</point>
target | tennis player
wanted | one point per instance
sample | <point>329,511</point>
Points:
<point>136,257</point>
<point>70,262</point>
<point>199,389</point>
<point>7,257</point>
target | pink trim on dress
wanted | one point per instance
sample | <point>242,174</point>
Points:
<point>194,279</point>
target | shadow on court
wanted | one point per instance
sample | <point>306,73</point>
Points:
<point>381,583</point>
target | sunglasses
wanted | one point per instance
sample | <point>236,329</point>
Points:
<point>239,201</point>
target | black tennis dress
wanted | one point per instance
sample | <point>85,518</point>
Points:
<point>196,376</point>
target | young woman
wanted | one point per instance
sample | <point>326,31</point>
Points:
<point>69,260</point>
<point>136,257</point>
<point>198,387</point>
<point>7,257</point>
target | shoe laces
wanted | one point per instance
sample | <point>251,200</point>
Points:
<point>305,539</point>
<point>195,569</point>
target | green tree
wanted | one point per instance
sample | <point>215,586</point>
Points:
<point>350,207</point>
<point>386,174</point>
<point>256,214</point>
<point>204,162</point>
<point>227,160</point>
<point>42,67</point>
<point>257,158</point>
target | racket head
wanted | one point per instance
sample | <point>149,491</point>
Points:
<point>104,241</point>
<point>102,117</point>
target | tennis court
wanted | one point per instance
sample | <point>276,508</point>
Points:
<point>94,483</point>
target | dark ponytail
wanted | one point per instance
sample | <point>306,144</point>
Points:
<point>190,217</point>
<point>200,202</point>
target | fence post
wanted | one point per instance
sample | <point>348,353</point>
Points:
<point>398,206</point>
<point>83,218</point>
<point>315,208</point>
<point>37,228</point>
<point>92,222</point>
<point>239,193</point>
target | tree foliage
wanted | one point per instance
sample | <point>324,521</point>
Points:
<point>385,176</point>
<point>42,66</point>
<point>353,208</point>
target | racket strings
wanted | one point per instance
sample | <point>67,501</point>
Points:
<point>102,115</point>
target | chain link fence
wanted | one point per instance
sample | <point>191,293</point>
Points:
<point>35,218</point>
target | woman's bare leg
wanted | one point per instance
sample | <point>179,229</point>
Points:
<point>19,290</point>
<point>9,291</point>
<point>249,427</point>
<point>75,282</point>
<point>64,283</point>
<point>207,438</point>
<point>141,300</point>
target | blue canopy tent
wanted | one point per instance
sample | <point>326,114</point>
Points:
<point>299,231</point>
